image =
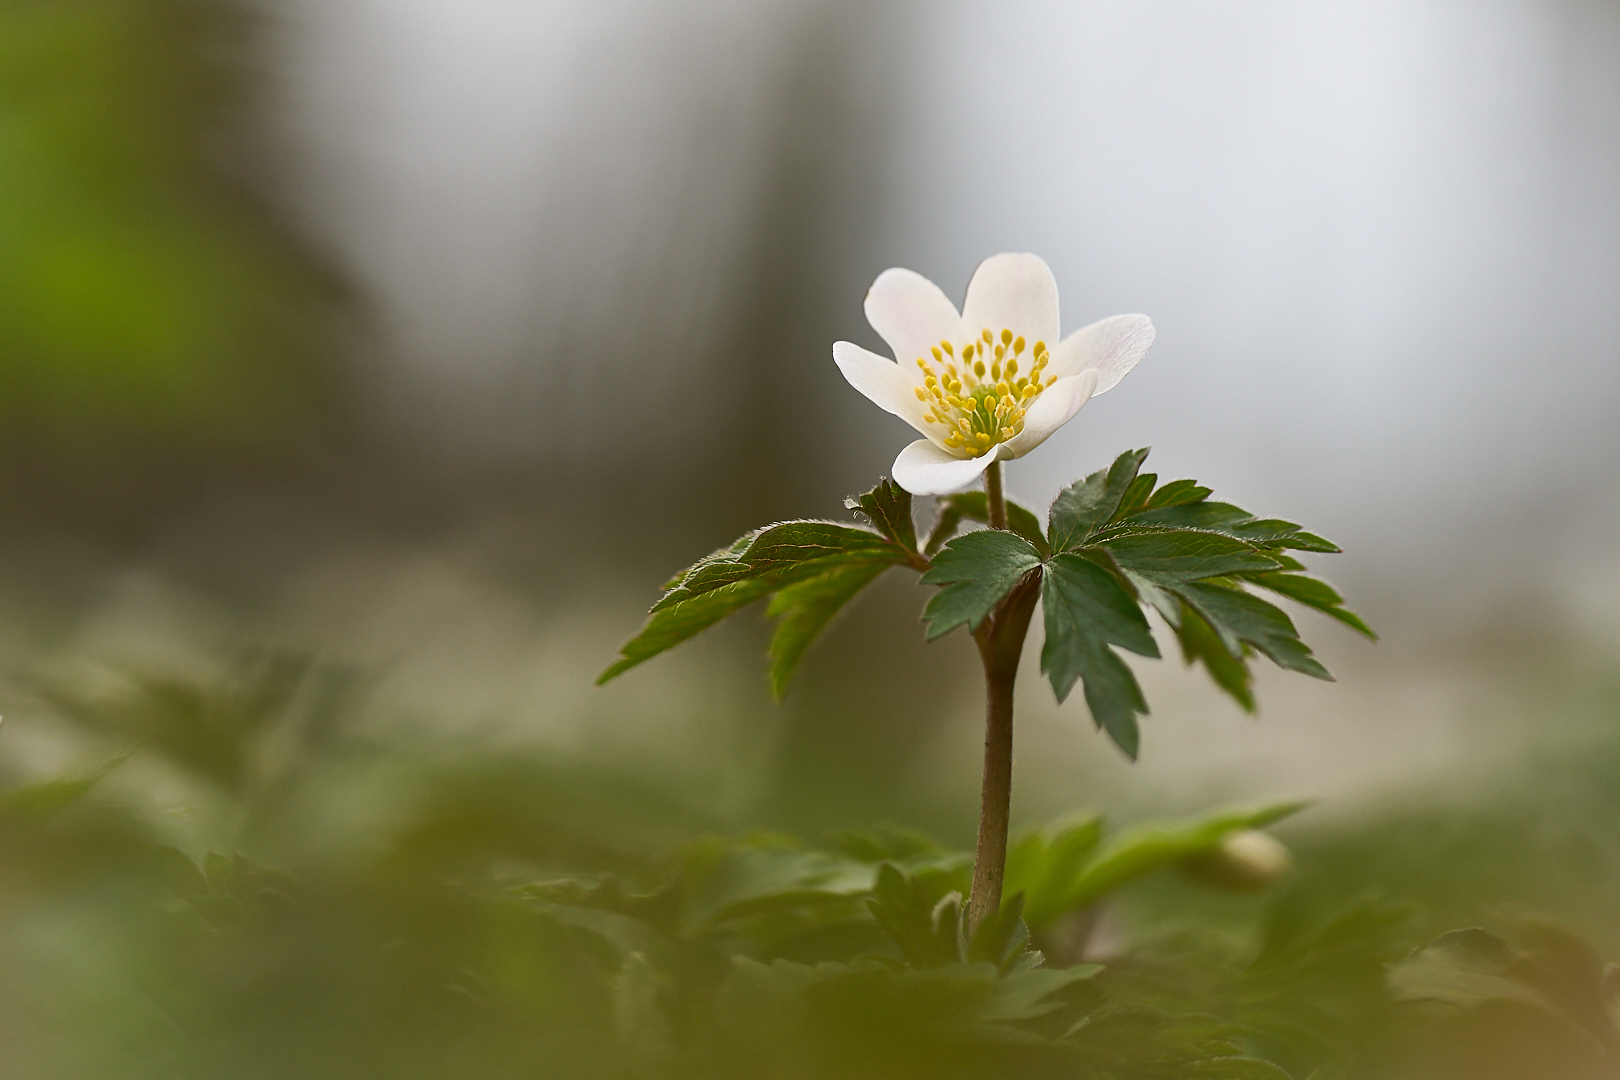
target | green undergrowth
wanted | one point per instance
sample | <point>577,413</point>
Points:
<point>512,917</point>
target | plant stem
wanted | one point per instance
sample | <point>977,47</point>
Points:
<point>1001,642</point>
<point>994,496</point>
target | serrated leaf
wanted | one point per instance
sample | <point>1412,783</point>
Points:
<point>1240,618</point>
<point>1086,610</point>
<point>804,610</point>
<point>1200,643</point>
<point>1313,593</point>
<point>1176,493</point>
<point>666,627</point>
<point>974,506</point>
<point>977,570</point>
<point>888,507</point>
<point>757,565</point>
<point>787,551</point>
<point>1087,505</point>
<point>1137,495</point>
<point>1170,558</point>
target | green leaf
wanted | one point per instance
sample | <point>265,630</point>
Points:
<point>1313,593</point>
<point>1086,604</point>
<point>1042,865</point>
<point>1176,493</point>
<point>1227,520</point>
<point>1087,505</point>
<point>668,626</point>
<point>786,552</point>
<point>1086,611</point>
<point>46,797</point>
<point>1239,618</point>
<point>888,507</point>
<point>977,570</point>
<point>757,565</point>
<point>1146,848</point>
<point>925,930</point>
<point>1170,558</point>
<point>805,608</point>
<point>1200,642</point>
<point>974,506</point>
<point>1137,495</point>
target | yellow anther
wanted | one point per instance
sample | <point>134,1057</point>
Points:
<point>967,352</point>
<point>1003,390</point>
<point>1001,350</point>
<point>978,368</point>
<point>1012,368</point>
<point>920,395</point>
<point>1006,337</point>
<point>938,359</point>
<point>995,369</point>
<point>930,380</point>
<point>1018,345</point>
<point>1050,379</point>
<point>1040,347</point>
<point>982,439</point>
<point>947,347</point>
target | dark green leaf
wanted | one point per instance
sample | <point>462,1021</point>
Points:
<point>1087,505</point>
<point>1199,642</point>
<point>1177,492</point>
<point>757,565</point>
<point>973,506</point>
<point>805,608</point>
<point>977,570</point>
<point>1085,603</point>
<point>788,551</point>
<point>1314,593</point>
<point>1086,611</point>
<point>1114,698</point>
<point>925,930</point>
<point>888,506</point>
<point>1137,495</point>
<point>1239,618</point>
<point>1169,558</point>
<point>668,626</point>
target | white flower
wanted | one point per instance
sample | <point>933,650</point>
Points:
<point>983,384</point>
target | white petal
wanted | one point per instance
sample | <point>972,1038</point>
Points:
<point>1016,292</point>
<point>886,383</point>
<point>1110,347</point>
<point>925,469</point>
<point>1055,407</point>
<point>910,313</point>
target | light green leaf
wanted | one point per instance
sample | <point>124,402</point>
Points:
<point>977,570</point>
<point>1146,848</point>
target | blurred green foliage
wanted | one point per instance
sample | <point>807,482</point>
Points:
<point>148,283</point>
<point>507,916</point>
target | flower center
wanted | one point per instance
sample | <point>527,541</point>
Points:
<point>980,396</point>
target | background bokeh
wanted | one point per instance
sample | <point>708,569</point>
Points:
<point>425,339</point>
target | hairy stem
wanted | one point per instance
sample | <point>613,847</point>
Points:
<point>1001,641</point>
<point>994,497</point>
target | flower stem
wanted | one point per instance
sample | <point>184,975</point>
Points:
<point>1001,641</point>
<point>994,497</point>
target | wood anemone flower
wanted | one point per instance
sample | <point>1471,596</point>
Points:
<point>983,384</point>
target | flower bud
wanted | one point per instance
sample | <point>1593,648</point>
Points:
<point>1245,861</point>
